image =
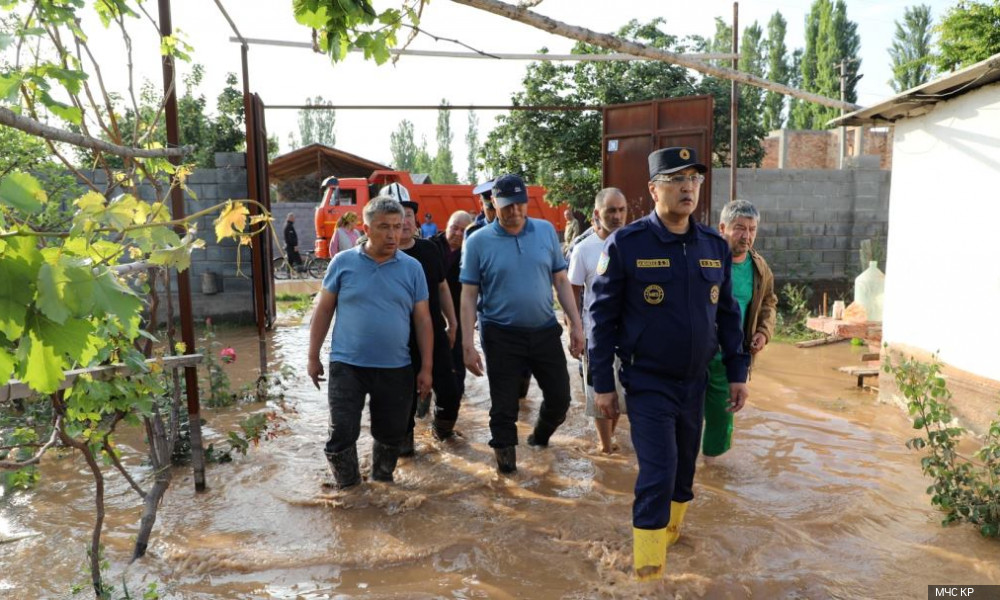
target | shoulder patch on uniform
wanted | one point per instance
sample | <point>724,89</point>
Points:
<point>652,263</point>
<point>602,263</point>
<point>710,263</point>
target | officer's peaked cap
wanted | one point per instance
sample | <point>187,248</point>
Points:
<point>671,160</point>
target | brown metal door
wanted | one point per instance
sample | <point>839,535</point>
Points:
<point>632,131</point>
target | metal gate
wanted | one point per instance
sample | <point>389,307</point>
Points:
<point>632,131</point>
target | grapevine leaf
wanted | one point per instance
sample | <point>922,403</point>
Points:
<point>6,366</point>
<point>44,370</point>
<point>232,220</point>
<point>22,192</point>
<point>111,297</point>
<point>49,300</point>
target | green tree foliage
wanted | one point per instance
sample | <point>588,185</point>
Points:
<point>830,38</point>
<point>561,150</point>
<point>968,33</point>
<point>223,132</point>
<point>316,126</point>
<point>443,168</point>
<point>423,162</point>
<point>777,71</point>
<point>751,98</point>
<point>472,143</point>
<point>341,25</point>
<point>911,49</point>
<point>403,148</point>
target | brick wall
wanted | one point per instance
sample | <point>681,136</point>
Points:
<point>809,149</point>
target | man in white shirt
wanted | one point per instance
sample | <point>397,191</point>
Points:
<point>610,213</point>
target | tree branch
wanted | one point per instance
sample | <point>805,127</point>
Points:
<point>614,43</point>
<point>13,465</point>
<point>121,469</point>
<point>33,127</point>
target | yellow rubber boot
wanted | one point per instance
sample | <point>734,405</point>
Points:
<point>649,553</point>
<point>677,512</point>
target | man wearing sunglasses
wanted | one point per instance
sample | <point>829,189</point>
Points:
<point>663,304</point>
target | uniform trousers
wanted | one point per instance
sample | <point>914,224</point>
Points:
<point>665,416</point>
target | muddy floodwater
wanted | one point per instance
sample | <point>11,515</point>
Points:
<point>819,498</point>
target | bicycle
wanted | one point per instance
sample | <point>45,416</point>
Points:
<point>310,266</point>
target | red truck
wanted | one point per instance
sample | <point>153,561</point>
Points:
<point>441,200</point>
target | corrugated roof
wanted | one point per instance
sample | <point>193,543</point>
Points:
<point>922,99</point>
<point>321,160</point>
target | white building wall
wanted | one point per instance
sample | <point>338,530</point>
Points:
<point>943,261</point>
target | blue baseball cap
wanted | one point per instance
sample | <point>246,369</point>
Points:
<point>509,189</point>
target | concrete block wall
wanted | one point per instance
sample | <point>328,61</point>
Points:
<point>226,263</point>
<point>812,221</point>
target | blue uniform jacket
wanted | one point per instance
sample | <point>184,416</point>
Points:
<point>663,303</point>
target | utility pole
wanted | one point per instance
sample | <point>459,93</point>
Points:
<point>842,69</point>
<point>734,106</point>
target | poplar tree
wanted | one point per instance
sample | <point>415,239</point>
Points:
<point>777,71</point>
<point>472,143</point>
<point>911,49</point>
<point>403,148</point>
<point>442,168</point>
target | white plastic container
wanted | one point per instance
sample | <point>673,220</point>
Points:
<point>869,288</point>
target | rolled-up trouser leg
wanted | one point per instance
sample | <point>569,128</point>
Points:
<point>718,436</point>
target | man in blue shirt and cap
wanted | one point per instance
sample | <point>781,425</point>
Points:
<point>663,304</point>
<point>513,263</point>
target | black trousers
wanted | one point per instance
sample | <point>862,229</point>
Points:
<point>391,392</point>
<point>510,352</point>
<point>458,362</point>
<point>446,394</point>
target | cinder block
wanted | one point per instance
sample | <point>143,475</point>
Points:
<point>231,175</point>
<point>799,243</point>
<point>774,243</point>
<point>824,242</point>
<point>801,216</point>
<point>812,229</point>
<point>202,176</point>
<point>835,256</point>
<point>230,159</point>
<point>234,191</point>
<point>775,216</point>
<point>789,229</point>
<point>835,228</point>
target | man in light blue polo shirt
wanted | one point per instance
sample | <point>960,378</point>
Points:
<point>513,263</point>
<point>375,292</point>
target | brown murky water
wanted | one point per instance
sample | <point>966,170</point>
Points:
<point>818,499</point>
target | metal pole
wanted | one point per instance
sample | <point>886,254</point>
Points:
<point>843,93</point>
<point>258,246</point>
<point>183,280</point>
<point>734,105</point>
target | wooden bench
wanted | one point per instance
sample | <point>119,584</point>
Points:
<point>860,373</point>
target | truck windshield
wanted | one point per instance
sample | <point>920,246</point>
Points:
<point>342,197</point>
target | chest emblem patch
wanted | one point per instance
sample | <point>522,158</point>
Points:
<point>713,294</point>
<point>602,263</point>
<point>653,294</point>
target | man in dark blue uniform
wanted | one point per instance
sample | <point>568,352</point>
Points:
<point>663,303</point>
